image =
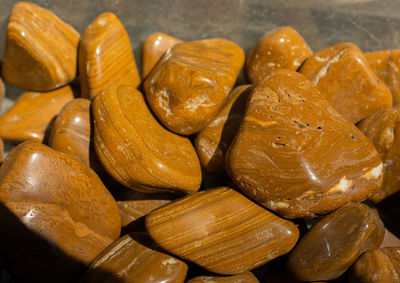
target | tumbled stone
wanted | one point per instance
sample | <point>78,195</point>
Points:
<point>191,82</point>
<point>281,48</point>
<point>136,150</point>
<point>221,230</point>
<point>246,277</point>
<point>333,244</point>
<point>40,50</point>
<point>29,117</point>
<point>213,141</point>
<point>296,155</point>
<point>343,76</point>
<point>105,56</point>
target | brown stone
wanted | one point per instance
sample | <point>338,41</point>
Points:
<point>343,76</point>
<point>136,150</point>
<point>191,82</point>
<point>296,155</point>
<point>246,277</point>
<point>380,265</point>
<point>134,258</point>
<point>221,230</point>
<point>390,240</point>
<point>28,118</point>
<point>281,48</point>
<point>154,48</point>
<point>105,56</point>
<point>2,92</point>
<point>40,50</point>
<point>332,245</point>
<point>213,141</point>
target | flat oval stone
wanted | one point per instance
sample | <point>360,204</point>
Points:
<point>380,265</point>
<point>343,75</point>
<point>191,82</point>
<point>221,230</point>
<point>133,258</point>
<point>40,51</point>
<point>296,155</point>
<point>59,199</point>
<point>246,277</point>
<point>281,48</point>
<point>383,130</point>
<point>213,141</point>
<point>105,56</point>
<point>154,48</point>
<point>136,150</point>
<point>333,244</point>
<point>29,117</point>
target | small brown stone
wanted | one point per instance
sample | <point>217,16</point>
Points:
<point>246,277</point>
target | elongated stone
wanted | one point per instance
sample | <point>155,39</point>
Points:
<point>191,82</point>
<point>246,277</point>
<point>221,230</point>
<point>296,155</point>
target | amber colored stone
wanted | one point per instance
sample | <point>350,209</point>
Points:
<point>246,277</point>
<point>333,244</point>
<point>221,230</point>
<point>296,155</point>
<point>191,82</point>
<point>281,48</point>
<point>343,75</point>
<point>40,50</point>
<point>386,65</point>
<point>105,56</point>
<point>136,150</point>
<point>154,48</point>
<point>59,199</point>
<point>134,258</point>
<point>213,141</point>
<point>28,118</point>
<point>2,92</point>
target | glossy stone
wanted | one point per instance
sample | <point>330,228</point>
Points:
<point>332,245</point>
<point>28,118</point>
<point>343,75</point>
<point>136,150</point>
<point>133,258</point>
<point>386,65</point>
<point>296,155</point>
<point>246,277</point>
<point>281,48</point>
<point>62,201</point>
<point>191,82</point>
<point>383,130</point>
<point>154,48</point>
<point>213,141</point>
<point>221,230</point>
<point>40,51</point>
<point>105,56</point>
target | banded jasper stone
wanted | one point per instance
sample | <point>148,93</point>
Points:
<point>332,245</point>
<point>296,155</point>
<point>343,75</point>
<point>153,49</point>
<point>191,82</point>
<point>40,50</point>
<point>246,277</point>
<point>281,48</point>
<point>221,230</point>
<point>105,56</point>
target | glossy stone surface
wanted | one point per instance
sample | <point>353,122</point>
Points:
<point>221,230</point>
<point>246,277</point>
<point>105,56</point>
<point>383,130</point>
<point>296,155</point>
<point>28,118</point>
<point>333,244</point>
<point>386,65</point>
<point>281,48</point>
<point>154,48</point>
<point>133,258</point>
<point>40,50</point>
<point>343,75</point>
<point>213,141</point>
<point>191,82</point>
<point>59,199</point>
<point>136,150</point>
